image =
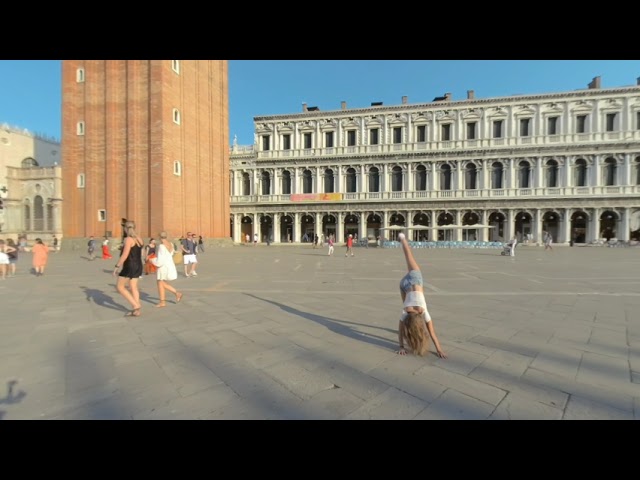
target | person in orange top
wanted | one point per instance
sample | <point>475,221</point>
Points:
<point>40,257</point>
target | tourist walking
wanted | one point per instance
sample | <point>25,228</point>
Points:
<point>165,269</point>
<point>13,257</point>
<point>40,259</point>
<point>129,268</point>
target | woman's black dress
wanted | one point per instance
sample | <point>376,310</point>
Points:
<point>132,266</point>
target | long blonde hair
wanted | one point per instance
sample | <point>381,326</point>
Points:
<point>416,333</point>
<point>130,231</point>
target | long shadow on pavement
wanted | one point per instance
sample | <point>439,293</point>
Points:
<point>336,326</point>
<point>102,299</point>
<point>10,398</point>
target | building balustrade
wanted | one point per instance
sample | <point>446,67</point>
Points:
<point>559,192</point>
<point>395,148</point>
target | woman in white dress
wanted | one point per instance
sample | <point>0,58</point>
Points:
<point>166,269</point>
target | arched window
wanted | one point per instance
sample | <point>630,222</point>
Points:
<point>328,181</point>
<point>38,214</point>
<point>286,182</point>
<point>581,173</point>
<point>421,178</point>
<point>27,216</point>
<point>396,179</point>
<point>351,180</point>
<point>29,162</point>
<point>445,177</point>
<point>552,174</point>
<point>524,174</point>
<point>374,180</point>
<point>471,177</point>
<point>50,217</point>
<point>246,184</point>
<point>266,183</point>
<point>497,175</point>
<point>610,171</point>
<point>307,182</point>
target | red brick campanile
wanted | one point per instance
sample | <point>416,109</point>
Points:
<point>146,140</point>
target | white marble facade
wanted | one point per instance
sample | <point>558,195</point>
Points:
<point>567,163</point>
<point>30,184</point>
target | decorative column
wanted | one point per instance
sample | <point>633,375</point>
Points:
<point>276,227</point>
<point>360,181</point>
<point>385,224</point>
<point>432,184</point>
<point>384,184</point>
<point>339,187</point>
<point>484,233</point>
<point>255,225</point>
<point>457,233</point>
<point>318,225</point>
<point>408,183</point>
<point>237,227</point>
<point>457,184</point>
<point>595,175</point>
<point>362,225</point>
<point>295,182</point>
<point>511,174</point>
<point>318,182</point>
<point>538,183</point>
<point>594,225</point>
<point>255,187</point>
<point>295,231</point>
<point>626,178</point>
<point>566,226</point>
<point>537,233</point>
<point>510,227</point>
<point>622,232</point>
<point>339,227</point>
<point>568,178</point>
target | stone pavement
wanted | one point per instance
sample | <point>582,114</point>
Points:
<point>286,332</point>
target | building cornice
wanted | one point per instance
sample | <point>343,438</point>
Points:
<point>586,93</point>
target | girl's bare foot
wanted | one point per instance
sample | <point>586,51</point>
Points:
<point>178,297</point>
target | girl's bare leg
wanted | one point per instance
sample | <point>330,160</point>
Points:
<point>122,290</point>
<point>161,293</point>
<point>135,293</point>
<point>408,255</point>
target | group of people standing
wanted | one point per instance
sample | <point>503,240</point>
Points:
<point>9,252</point>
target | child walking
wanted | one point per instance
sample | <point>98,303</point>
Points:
<point>416,325</point>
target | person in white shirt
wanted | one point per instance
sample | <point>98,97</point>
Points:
<point>416,325</point>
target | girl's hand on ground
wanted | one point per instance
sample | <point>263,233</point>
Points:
<point>402,351</point>
<point>441,354</point>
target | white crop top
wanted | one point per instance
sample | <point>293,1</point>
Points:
<point>415,299</point>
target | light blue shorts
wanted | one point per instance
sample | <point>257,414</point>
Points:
<point>414,277</point>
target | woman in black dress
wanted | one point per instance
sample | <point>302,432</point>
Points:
<point>130,267</point>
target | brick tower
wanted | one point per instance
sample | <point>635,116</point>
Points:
<point>146,140</point>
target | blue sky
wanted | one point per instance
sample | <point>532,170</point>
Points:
<point>30,92</point>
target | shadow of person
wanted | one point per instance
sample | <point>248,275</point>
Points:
<point>11,398</point>
<point>101,299</point>
<point>144,296</point>
<point>338,326</point>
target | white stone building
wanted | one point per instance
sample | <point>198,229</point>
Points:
<point>567,163</point>
<point>30,185</point>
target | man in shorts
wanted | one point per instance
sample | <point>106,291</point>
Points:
<point>189,257</point>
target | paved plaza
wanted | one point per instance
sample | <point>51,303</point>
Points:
<point>287,332</point>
